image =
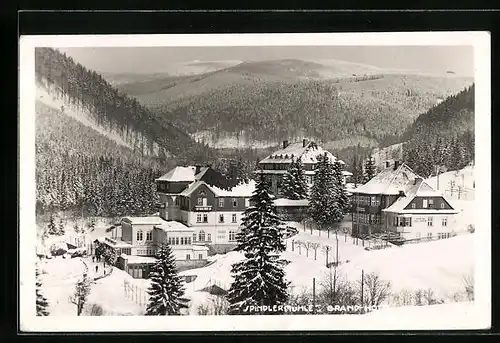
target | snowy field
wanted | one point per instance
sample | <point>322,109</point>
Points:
<point>438,265</point>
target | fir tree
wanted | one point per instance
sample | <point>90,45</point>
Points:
<point>82,291</point>
<point>324,207</point>
<point>343,200</point>
<point>294,184</point>
<point>60,228</point>
<point>370,169</point>
<point>166,291</point>
<point>52,229</point>
<point>260,278</point>
<point>41,302</point>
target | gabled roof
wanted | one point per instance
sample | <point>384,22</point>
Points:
<point>419,189</point>
<point>179,174</point>
<point>242,190</point>
<point>307,154</point>
<point>144,220</point>
<point>389,181</point>
<point>171,226</point>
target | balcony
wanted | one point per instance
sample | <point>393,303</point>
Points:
<point>201,208</point>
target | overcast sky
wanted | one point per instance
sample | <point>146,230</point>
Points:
<point>157,59</point>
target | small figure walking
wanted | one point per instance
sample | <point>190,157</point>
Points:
<point>96,268</point>
<point>93,258</point>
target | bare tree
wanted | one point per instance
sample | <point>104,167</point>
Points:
<point>377,290</point>
<point>337,289</point>
<point>419,297</point>
<point>315,247</point>
<point>217,305</point>
<point>469,286</point>
<point>82,291</point>
<point>307,245</point>
<point>430,297</point>
<point>403,298</point>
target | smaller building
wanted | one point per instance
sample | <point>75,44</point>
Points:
<point>292,210</point>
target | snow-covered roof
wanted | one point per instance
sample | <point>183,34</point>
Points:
<point>389,181</point>
<point>419,189</point>
<point>288,202</point>
<point>346,173</point>
<point>199,247</point>
<point>306,154</point>
<point>116,243</point>
<point>179,174</point>
<point>144,220</point>
<point>139,259</point>
<point>244,189</point>
<point>171,226</point>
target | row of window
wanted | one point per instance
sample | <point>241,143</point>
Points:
<point>366,200</point>
<point>201,237</point>
<point>179,240</point>
<point>406,221</point>
<point>233,218</point>
<point>440,235</point>
<point>146,252</point>
<point>140,235</point>
<point>188,257</point>
<point>366,218</point>
<point>222,201</point>
<point>221,235</point>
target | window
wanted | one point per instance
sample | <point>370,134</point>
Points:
<point>221,218</point>
<point>372,201</point>
<point>247,202</point>
<point>442,205</point>
<point>205,218</point>
<point>188,257</point>
<point>372,218</point>
<point>177,201</point>
<point>444,221</point>
<point>209,237</point>
<point>149,235</point>
<point>431,202</point>
<point>233,217</point>
<point>235,202</point>
<point>198,218</point>
<point>176,240</point>
<point>232,236</point>
<point>194,237</point>
<point>429,235</point>
<point>200,202</point>
<point>200,256</point>
<point>201,236</point>
<point>182,240</point>
<point>221,235</point>
<point>429,221</point>
<point>424,201</point>
<point>170,241</point>
<point>139,235</point>
<point>221,202</point>
<point>188,240</point>
<point>413,205</point>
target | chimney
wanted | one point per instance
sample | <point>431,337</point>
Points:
<point>417,180</point>
<point>285,144</point>
<point>396,164</point>
<point>304,142</point>
<point>402,194</point>
<point>387,164</point>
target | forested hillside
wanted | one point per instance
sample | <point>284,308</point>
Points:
<point>87,91</point>
<point>444,135</point>
<point>255,101</point>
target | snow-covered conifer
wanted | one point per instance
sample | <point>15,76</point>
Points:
<point>324,207</point>
<point>166,290</point>
<point>60,227</point>
<point>52,229</point>
<point>260,278</point>
<point>370,169</point>
<point>343,200</point>
<point>41,302</point>
<point>294,184</point>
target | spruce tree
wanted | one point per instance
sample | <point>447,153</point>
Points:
<point>41,302</point>
<point>343,200</point>
<point>166,290</point>
<point>60,228</point>
<point>52,229</point>
<point>260,278</point>
<point>294,185</point>
<point>324,206</point>
<point>370,169</point>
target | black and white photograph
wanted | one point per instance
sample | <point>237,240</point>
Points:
<point>264,182</point>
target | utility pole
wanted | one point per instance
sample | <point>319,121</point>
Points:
<point>327,251</point>
<point>314,295</point>
<point>362,283</point>
<point>337,249</point>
